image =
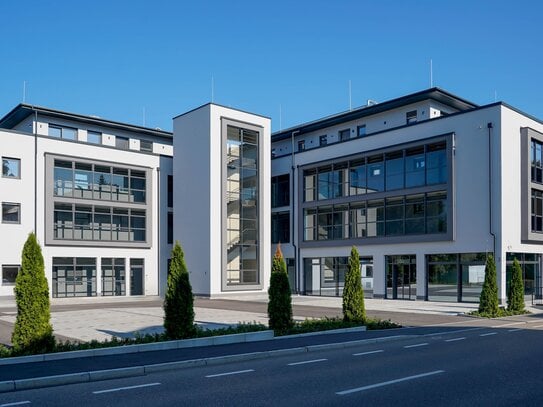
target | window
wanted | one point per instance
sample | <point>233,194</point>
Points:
<point>9,274</point>
<point>537,211</point>
<point>113,276</point>
<point>436,163</point>
<point>122,142</point>
<point>394,170</point>
<point>414,167</point>
<point>537,161</point>
<point>411,117</point>
<point>94,137</point>
<point>98,223</point>
<point>323,140</point>
<point>74,277</point>
<point>376,174</point>
<point>361,130</point>
<point>146,146</point>
<point>67,133</point>
<point>11,212</point>
<point>301,145</point>
<point>11,167</point>
<point>170,191</point>
<point>280,190</point>
<point>280,224</point>
<point>99,182</point>
<point>344,134</point>
<point>170,227</point>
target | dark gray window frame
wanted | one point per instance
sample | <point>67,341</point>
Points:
<point>449,188</point>
<point>8,222</point>
<point>62,128</point>
<point>527,185</point>
<point>13,159</point>
<point>50,200</point>
<point>2,283</point>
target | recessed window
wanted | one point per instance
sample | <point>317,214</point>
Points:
<point>170,227</point>
<point>67,133</point>
<point>146,146</point>
<point>11,167</point>
<point>11,212</point>
<point>344,134</point>
<point>121,142</point>
<point>411,117</point>
<point>94,137</point>
<point>323,140</point>
<point>9,274</point>
<point>170,191</point>
<point>301,145</point>
<point>361,130</point>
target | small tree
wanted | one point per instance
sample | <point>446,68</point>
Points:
<point>515,296</point>
<point>488,301</point>
<point>33,332</point>
<point>178,302</point>
<point>353,293</point>
<point>280,301</point>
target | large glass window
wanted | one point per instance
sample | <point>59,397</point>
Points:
<point>394,216</point>
<point>537,161</point>
<point>376,218</point>
<point>436,212</point>
<point>537,211</point>
<point>376,174</point>
<point>357,177</point>
<point>74,277</point>
<point>280,191</point>
<point>280,224</point>
<point>531,273</point>
<point>11,212</point>
<point>113,276</point>
<point>394,171</point>
<point>62,132</point>
<point>242,167</point>
<point>11,167</point>
<point>436,162</point>
<point>98,223</point>
<point>414,167</point>
<point>99,182</point>
<point>94,137</point>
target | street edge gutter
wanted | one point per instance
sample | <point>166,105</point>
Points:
<point>134,371</point>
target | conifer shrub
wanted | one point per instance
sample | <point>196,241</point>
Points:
<point>279,295</point>
<point>488,301</point>
<point>32,332</point>
<point>353,293</point>
<point>515,296</point>
<point>178,302</point>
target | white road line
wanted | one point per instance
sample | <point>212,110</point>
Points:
<point>126,388</point>
<point>455,339</point>
<point>515,330</point>
<point>511,324</point>
<point>454,332</point>
<point>230,373</point>
<point>538,326</point>
<point>306,361</point>
<point>17,403</point>
<point>368,353</point>
<point>488,334</point>
<point>403,379</point>
<point>416,346</point>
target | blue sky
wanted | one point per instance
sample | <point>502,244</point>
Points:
<point>116,58</point>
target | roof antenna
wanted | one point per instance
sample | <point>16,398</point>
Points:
<point>280,118</point>
<point>24,91</point>
<point>431,74</point>
<point>350,98</point>
<point>212,88</point>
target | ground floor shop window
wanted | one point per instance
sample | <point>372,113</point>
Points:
<point>74,277</point>
<point>325,276</point>
<point>136,277</point>
<point>530,264</point>
<point>455,277</point>
<point>113,276</point>
<point>401,277</point>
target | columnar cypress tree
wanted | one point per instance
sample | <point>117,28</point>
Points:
<point>179,302</point>
<point>33,332</point>
<point>353,293</point>
<point>280,301</point>
<point>515,296</point>
<point>488,301</point>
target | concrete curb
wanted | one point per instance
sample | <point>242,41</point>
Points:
<point>330,331</point>
<point>83,377</point>
<point>146,347</point>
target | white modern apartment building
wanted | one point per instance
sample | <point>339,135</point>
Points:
<point>425,186</point>
<point>100,197</point>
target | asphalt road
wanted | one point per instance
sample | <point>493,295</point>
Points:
<point>495,363</point>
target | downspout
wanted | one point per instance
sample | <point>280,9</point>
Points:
<point>159,203</point>
<point>292,223</point>
<point>35,172</point>
<point>489,127</point>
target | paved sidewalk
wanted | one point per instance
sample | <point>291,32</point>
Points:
<point>102,318</point>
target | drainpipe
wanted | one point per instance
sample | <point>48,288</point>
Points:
<point>292,223</point>
<point>489,127</point>
<point>36,172</point>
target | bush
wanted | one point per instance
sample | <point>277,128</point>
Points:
<point>488,301</point>
<point>353,293</point>
<point>280,301</point>
<point>33,332</point>
<point>515,296</point>
<point>178,302</point>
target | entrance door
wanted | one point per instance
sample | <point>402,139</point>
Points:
<point>136,276</point>
<point>401,277</point>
